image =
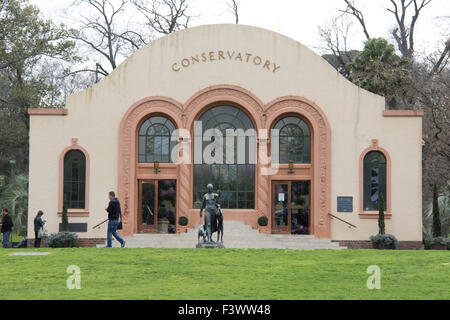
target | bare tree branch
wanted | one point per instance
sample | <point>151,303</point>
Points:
<point>351,9</point>
<point>165,16</point>
<point>233,7</point>
<point>101,34</point>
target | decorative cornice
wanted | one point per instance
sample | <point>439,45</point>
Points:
<point>48,112</point>
<point>403,113</point>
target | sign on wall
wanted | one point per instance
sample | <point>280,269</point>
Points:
<point>345,204</point>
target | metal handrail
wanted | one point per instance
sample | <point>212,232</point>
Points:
<point>333,216</point>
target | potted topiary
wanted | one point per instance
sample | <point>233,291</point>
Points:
<point>182,224</point>
<point>262,224</point>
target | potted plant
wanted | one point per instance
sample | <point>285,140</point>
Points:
<point>182,224</point>
<point>163,222</point>
<point>262,224</point>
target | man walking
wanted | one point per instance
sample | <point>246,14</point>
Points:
<point>6,229</point>
<point>114,213</point>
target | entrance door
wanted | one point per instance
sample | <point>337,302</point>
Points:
<point>157,206</point>
<point>291,207</point>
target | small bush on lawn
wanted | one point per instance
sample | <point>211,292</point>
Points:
<point>63,239</point>
<point>183,221</point>
<point>262,221</point>
<point>384,241</point>
<point>433,243</point>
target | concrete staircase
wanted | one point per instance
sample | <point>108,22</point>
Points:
<point>236,235</point>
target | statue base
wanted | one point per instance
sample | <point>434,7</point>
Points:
<point>210,245</point>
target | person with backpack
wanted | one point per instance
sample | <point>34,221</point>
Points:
<point>6,228</point>
<point>38,224</point>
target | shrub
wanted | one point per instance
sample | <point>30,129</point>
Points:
<point>63,239</point>
<point>183,221</point>
<point>263,221</point>
<point>432,243</point>
<point>384,241</point>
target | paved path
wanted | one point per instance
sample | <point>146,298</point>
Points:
<point>236,235</point>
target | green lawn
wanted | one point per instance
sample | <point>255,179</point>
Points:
<point>224,274</point>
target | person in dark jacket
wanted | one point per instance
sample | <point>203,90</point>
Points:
<point>38,224</point>
<point>114,213</point>
<point>6,229</point>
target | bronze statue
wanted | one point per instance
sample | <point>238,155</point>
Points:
<point>219,217</point>
<point>210,205</point>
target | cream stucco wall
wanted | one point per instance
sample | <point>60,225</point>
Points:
<point>355,117</point>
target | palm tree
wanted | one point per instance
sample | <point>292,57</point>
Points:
<point>15,198</point>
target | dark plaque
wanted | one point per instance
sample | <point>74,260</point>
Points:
<point>345,204</point>
<point>75,227</point>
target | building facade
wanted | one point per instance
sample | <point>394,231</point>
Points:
<point>315,147</point>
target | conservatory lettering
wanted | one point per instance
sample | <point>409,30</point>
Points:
<point>226,55</point>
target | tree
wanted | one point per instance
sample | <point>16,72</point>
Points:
<point>233,7</point>
<point>15,197</point>
<point>381,226</point>
<point>379,70</point>
<point>165,16</point>
<point>437,231</point>
<point>64,217</point>
<point>107,34</point>
<point>27,42</point>
<point>335,37</point>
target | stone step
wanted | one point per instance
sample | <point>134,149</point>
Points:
<point>236,235</point>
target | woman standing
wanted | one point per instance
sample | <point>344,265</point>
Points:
<point>38,224</point>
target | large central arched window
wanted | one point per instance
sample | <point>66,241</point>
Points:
<point>233,170</point>
<point>155,142</point>
<point>291,141</point>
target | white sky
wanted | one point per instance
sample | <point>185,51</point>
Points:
<point>300,19</point>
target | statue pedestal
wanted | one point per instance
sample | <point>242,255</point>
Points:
<point>210,245</point>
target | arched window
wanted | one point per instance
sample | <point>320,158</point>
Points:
<point>294,141</point>
<point>75,179</point>
<point>374,177</point>
<point>155,140</point>
<point>232,172</point>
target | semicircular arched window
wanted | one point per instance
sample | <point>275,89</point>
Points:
<point>155,142</point>
<point>374,180</point>
<point>75,179</point>
<point>294,141</point>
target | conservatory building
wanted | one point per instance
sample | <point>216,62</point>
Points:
<point>263,118</point>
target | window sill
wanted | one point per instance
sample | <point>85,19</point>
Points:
<point>76,213</point>
<point>374,215</point>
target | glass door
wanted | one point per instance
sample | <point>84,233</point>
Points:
<point>147,216</point>
<point>281,207</point>
<point>157,206</point>
<point>299,208</point>
<point>291,207</point>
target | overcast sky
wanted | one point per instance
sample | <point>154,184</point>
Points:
<point>300,19</point>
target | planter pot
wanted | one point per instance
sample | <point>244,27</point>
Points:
<point>182,229</point>
<point>163,226</point>
<point>262,229</point>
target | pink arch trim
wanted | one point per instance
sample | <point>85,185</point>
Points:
<point>374,214</point>
<point>73,212</point>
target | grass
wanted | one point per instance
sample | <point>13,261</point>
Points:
<point>224,274</point>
